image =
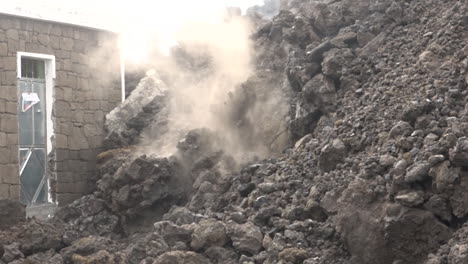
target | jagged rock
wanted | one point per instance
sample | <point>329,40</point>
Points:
<point>454,251</point>
<point>405,233</point>
<point>86,216</point>
<point>413,111</point>
<point>143,182</point>
<point>401,129</point>
<point>331,155</point>
<point>182,216</point>
<point>209,233</point>
<point>88,246</point>
<point>458,254</point>
<point>265,214</point>
<point>443,176</point>
<point>37,236</point>
<point>181,257</point>
<point>11,252</point>
<point>246,189</point>
<point>320,92</point>
<point>267,187</point>
<point>293,255</point>
<point>173,233</point>
<point>417,172</point>
<point>48,257</point>
<point>220,255</point>
<point>387,160</point>
<point>459,155</point>
<point>435,159</point>
<point>459,199</point>
<point>343,40</point>
<point>440,207</point>
<point>298,76</point>
<point>11,213</point>
<point>300,33</point>
<point>364,37</point>
<point>125,123</point>
<point>153,245</point>
<point>335,61</point>
<point>246,238</point>
<point>429,60</point>
<point>316,54</point>
<point>303,141</point>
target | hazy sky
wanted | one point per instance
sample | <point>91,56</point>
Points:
<point>114,13</point>
<point>136,20</point>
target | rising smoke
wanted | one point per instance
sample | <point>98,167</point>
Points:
<point>212,81</point>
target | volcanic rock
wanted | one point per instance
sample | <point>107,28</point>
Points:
<point>11,213</point>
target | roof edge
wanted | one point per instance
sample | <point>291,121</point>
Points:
<point>59,22</point>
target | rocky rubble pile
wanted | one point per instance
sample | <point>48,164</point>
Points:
<point>378,172</point>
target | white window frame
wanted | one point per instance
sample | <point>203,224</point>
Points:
<point>48,59</point>
<point>50,75</point>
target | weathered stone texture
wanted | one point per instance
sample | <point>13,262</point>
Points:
<point>86,64</point>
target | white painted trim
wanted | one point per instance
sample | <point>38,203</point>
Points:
<point>50,75</point>
<point>49,59</point>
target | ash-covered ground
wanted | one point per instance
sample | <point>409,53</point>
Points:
<point>367,164</point>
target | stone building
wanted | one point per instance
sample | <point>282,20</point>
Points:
<point>57,82</point>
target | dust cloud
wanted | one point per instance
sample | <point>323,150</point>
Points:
<point>211,78</point>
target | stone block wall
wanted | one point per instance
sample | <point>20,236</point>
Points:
<point>85,90</point>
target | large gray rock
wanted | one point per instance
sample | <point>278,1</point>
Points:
<point>335,61</point>
<point>142,182</point>
<point>417,172</point>
<point>172,233</point>
<point>39,236</point>
<point>331,155</point>
<point>401,129</point>
<point>246,238</point>
<point>153,245</point>
<point>320,92</point>
<point>209,233</point>
<point>145,104</point>
<point>87,216</point>
<point>384,233</point>
<point>444,176</point>
<point>440,207</point>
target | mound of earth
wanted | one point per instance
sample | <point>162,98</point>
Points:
<point>376,171</point>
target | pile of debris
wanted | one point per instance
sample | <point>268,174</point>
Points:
<point>378,172</point>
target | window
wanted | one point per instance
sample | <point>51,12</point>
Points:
<point>32,68</point>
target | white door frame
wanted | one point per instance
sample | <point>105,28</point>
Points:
<point>50,75</point>
<point>49,80</point>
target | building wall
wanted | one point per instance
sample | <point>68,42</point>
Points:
<point>85,90</point>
